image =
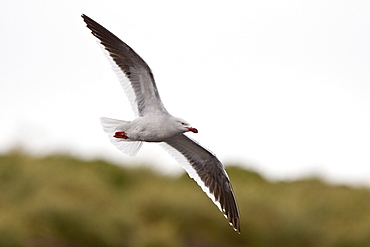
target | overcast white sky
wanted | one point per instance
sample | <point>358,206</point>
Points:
<point>281,87</point>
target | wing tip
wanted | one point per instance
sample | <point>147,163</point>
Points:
<point>235,224</point>
<point>85,17</point>
<point>226,203</point>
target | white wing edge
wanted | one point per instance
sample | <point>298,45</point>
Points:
<point>123,79</point>
<point>128,147</point>
<point>181,159</point>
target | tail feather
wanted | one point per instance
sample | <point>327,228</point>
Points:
<point>111,125</point>
<point>126,146</point>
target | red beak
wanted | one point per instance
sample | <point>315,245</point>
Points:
<point>194,130</point>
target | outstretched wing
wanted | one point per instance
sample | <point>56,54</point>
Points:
<point>208,172</point>
<point>133,73</point>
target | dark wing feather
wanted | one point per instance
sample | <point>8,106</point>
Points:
<point>208,172</point>
<point>134,73</point>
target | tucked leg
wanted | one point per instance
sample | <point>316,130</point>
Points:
<point>120,134</point>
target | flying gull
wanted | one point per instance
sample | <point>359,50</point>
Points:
<point>155,124</point>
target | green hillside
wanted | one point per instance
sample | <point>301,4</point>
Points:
<point>62,201</point>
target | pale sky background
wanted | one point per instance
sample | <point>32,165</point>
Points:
<point>281,87</point>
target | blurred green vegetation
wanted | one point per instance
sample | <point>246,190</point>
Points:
<point>63,201</point>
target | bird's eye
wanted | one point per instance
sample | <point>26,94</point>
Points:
<point>183,123</point>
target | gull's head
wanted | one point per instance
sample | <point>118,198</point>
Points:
<point>184,126</point>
